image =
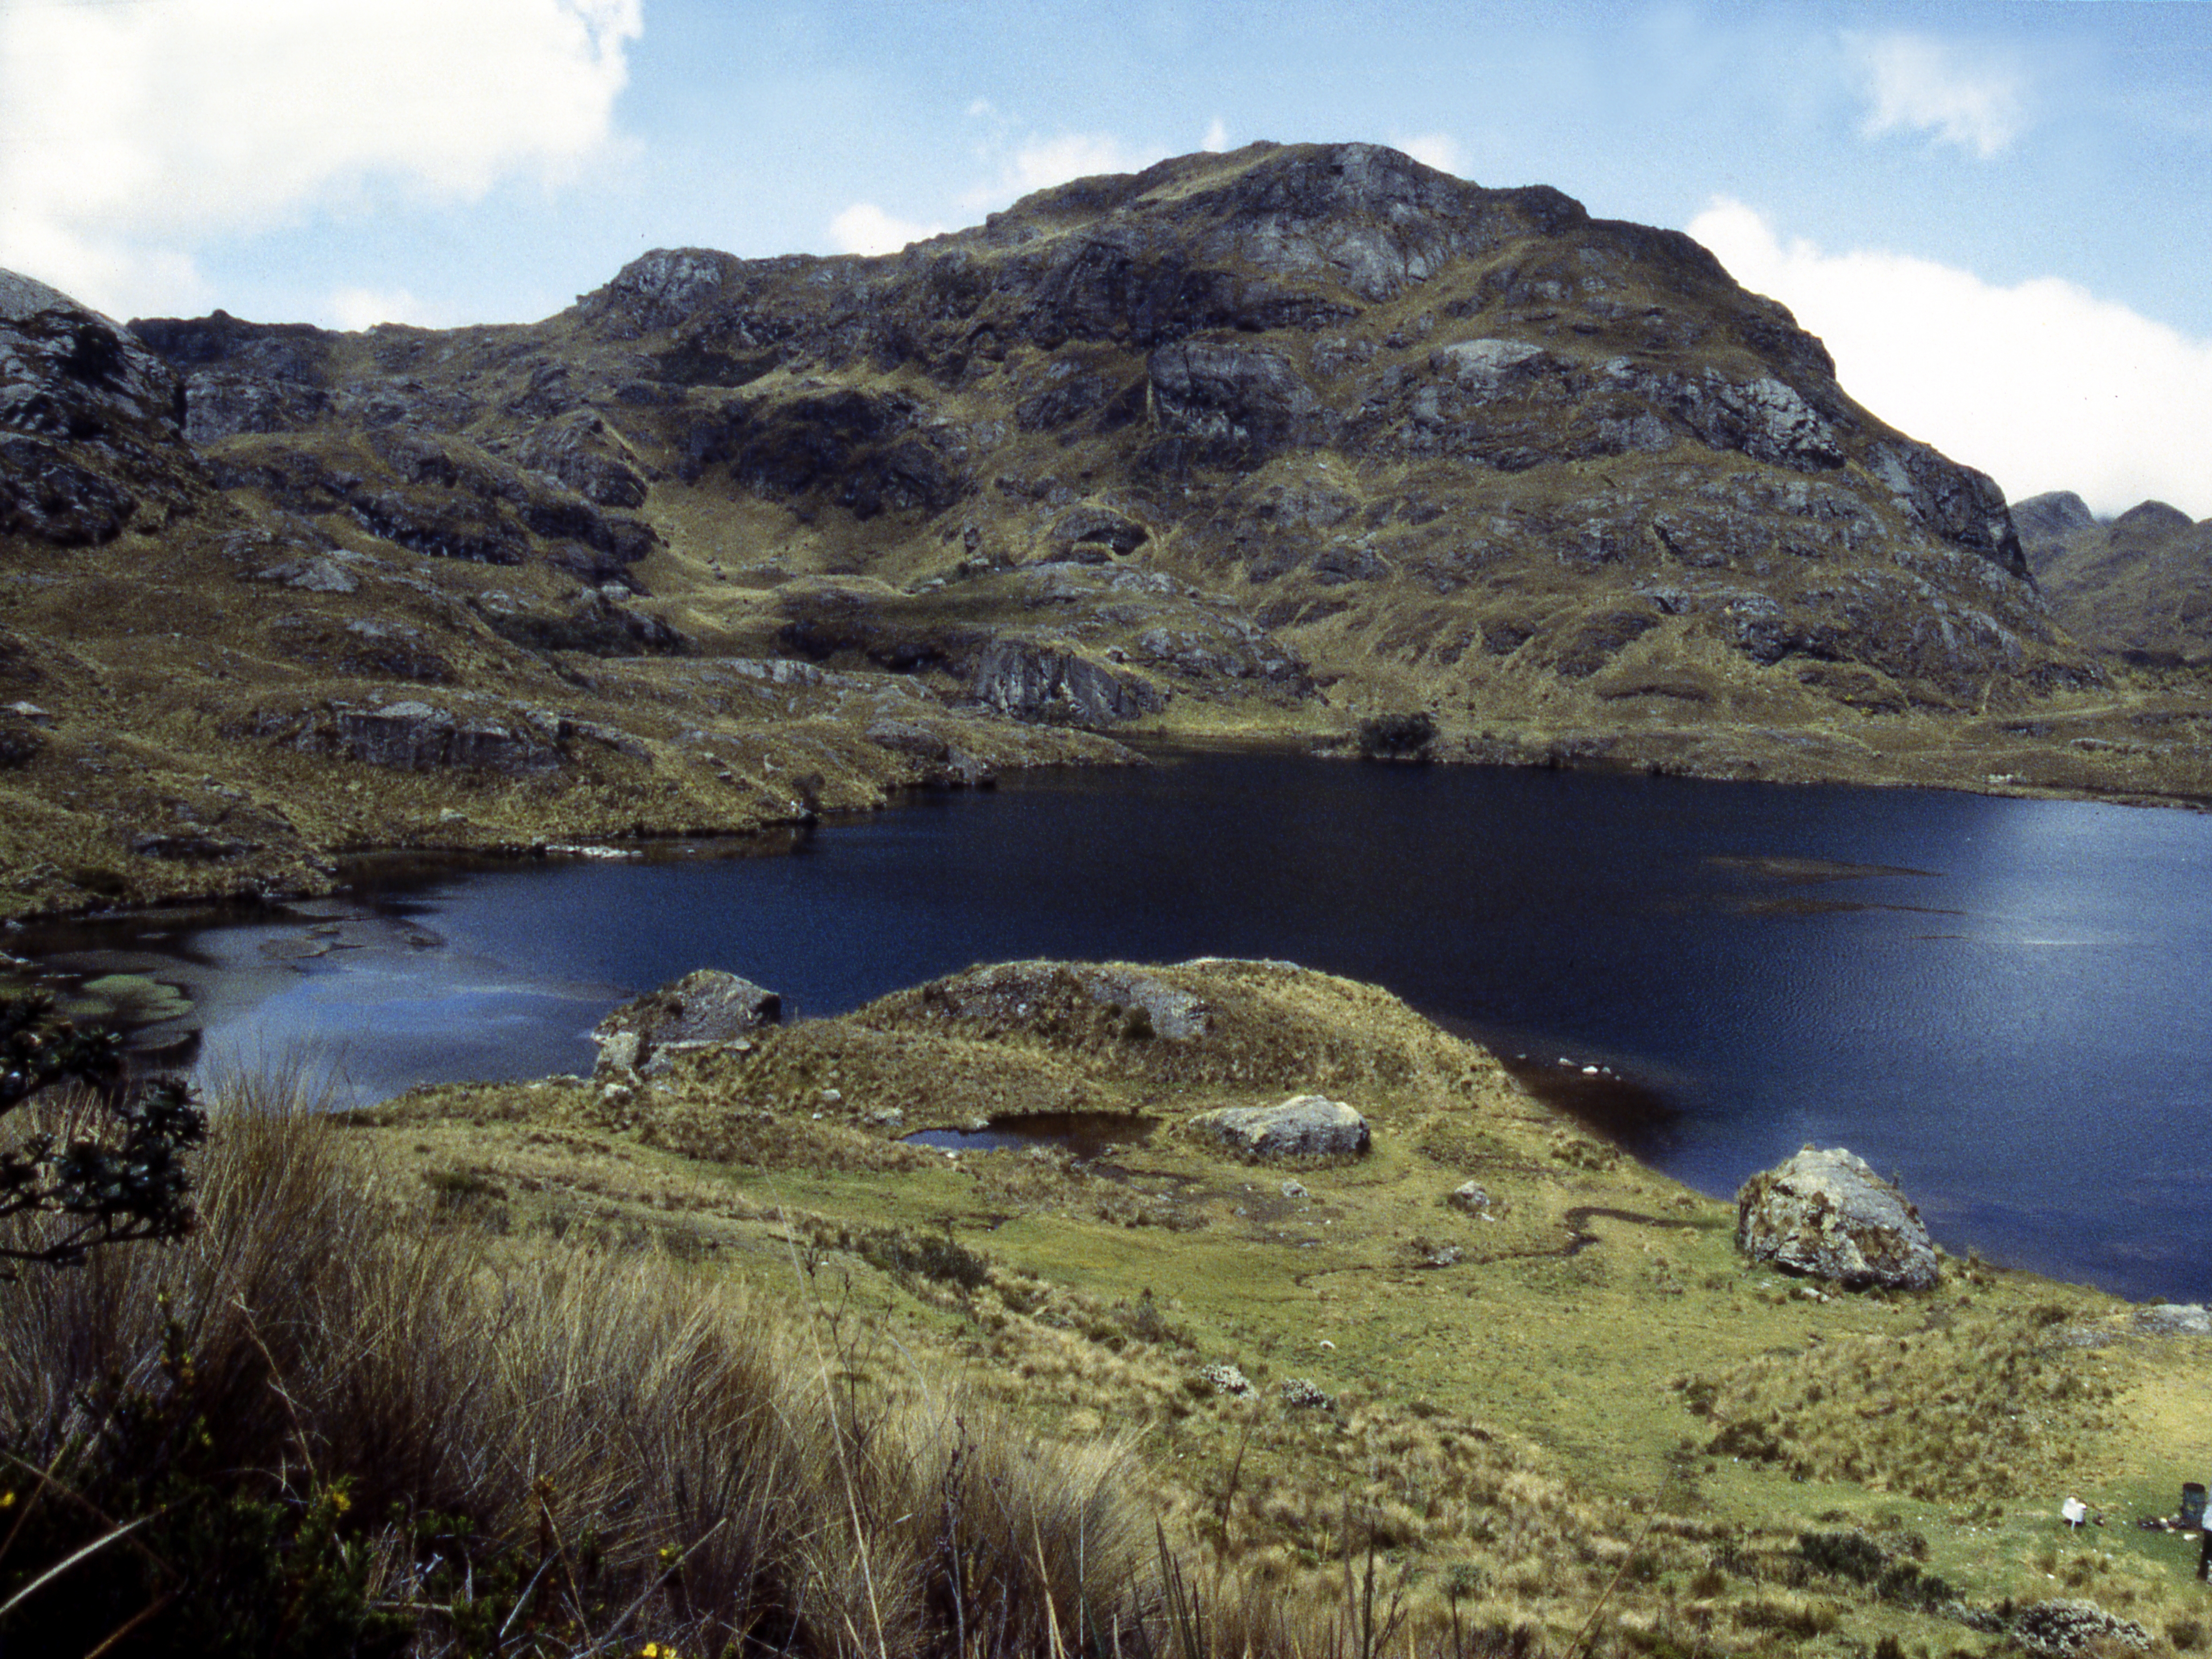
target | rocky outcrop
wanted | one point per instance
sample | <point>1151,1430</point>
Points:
<point>1015,995</point>
<point>90,430</point>
<point>1035,682</point>
<point>420,737</point>
<point>1828,1215</point>
<point>1234,398</point>
<point>2050,516</point>
<point>1304,1126</point>
<point>704,1009</point>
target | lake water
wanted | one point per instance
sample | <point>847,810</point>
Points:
<point>2001,1002</point>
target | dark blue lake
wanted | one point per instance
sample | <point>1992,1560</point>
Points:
<point>2001,1002</point>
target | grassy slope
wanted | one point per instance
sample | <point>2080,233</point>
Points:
<point>1519,1416</point>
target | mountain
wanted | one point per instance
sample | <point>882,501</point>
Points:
<point>1264,444</point>
<point>2138,587</point>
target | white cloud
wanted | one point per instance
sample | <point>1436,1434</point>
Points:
<point>1917,84</point>
<point>1036,163</point>
<point>132,134</point>
<point>864,228</point>
<point>2042,385</point>
<point>1438,149</point>
<point>1217,135</point>
<point>351,309</point>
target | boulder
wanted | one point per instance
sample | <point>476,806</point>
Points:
<point>1304,1126</point>
<point>1827,1213</point>
<point>1099,529</point>
<point>701,1009</point>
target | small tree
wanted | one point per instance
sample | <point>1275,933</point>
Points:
<point>114,1174</point>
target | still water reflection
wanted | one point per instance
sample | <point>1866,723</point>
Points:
<point>2000,1001</point>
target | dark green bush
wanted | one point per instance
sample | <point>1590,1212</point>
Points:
<point>1397,737</point>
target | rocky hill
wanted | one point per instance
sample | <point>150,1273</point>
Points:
<point>2137,587</point>
<point>1264,444</point>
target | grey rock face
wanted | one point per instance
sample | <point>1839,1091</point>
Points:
<point>88,421</point>
<point>416,737</point>
<point>1044,682</point>
<point>2051,515</point>
<point>1487,366</point>
<point>44,492</point>
<point>1828,1214</point>
<point>578,451</point>
<point>659,290</point>
<point>1763,419</point>
<point>1304,1126</point>
<point>1234,394</point>
<point>1957,503</point>
<point>703,1008</point>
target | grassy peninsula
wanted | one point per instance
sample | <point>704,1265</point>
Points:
<point>717,1361</point>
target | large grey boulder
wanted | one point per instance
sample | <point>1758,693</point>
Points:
<point>1304,1126</point>
<point>1828,1214</point>
<point>703,1008</point>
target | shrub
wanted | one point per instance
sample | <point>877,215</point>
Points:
<point>1397,737</point>
<point>102,1162</point>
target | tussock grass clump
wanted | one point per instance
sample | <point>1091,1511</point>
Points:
<point>1975,1411</point>
<point>385,1427</point>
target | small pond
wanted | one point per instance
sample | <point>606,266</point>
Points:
<point>1084,1135</point>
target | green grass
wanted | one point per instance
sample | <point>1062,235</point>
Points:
<point>1511,1425</point>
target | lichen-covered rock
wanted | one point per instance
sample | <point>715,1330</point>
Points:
<point>1828,1214</point>
<point>1470,1197</point>
<point>2173,1319</point>
<point>705,1007</point>
<point>1304,1126</point>
<point>2055,1629</point>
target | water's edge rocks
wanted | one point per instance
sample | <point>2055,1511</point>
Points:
<point>1827,1214</point>
<point>704,1009</point>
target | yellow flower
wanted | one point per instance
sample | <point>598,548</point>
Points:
<point>6,1500</point>
<point>340,1502</point>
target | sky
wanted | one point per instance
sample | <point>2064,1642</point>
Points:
<point>1995,214</point>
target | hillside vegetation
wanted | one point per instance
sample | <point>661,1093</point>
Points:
<point>1270,444</point>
